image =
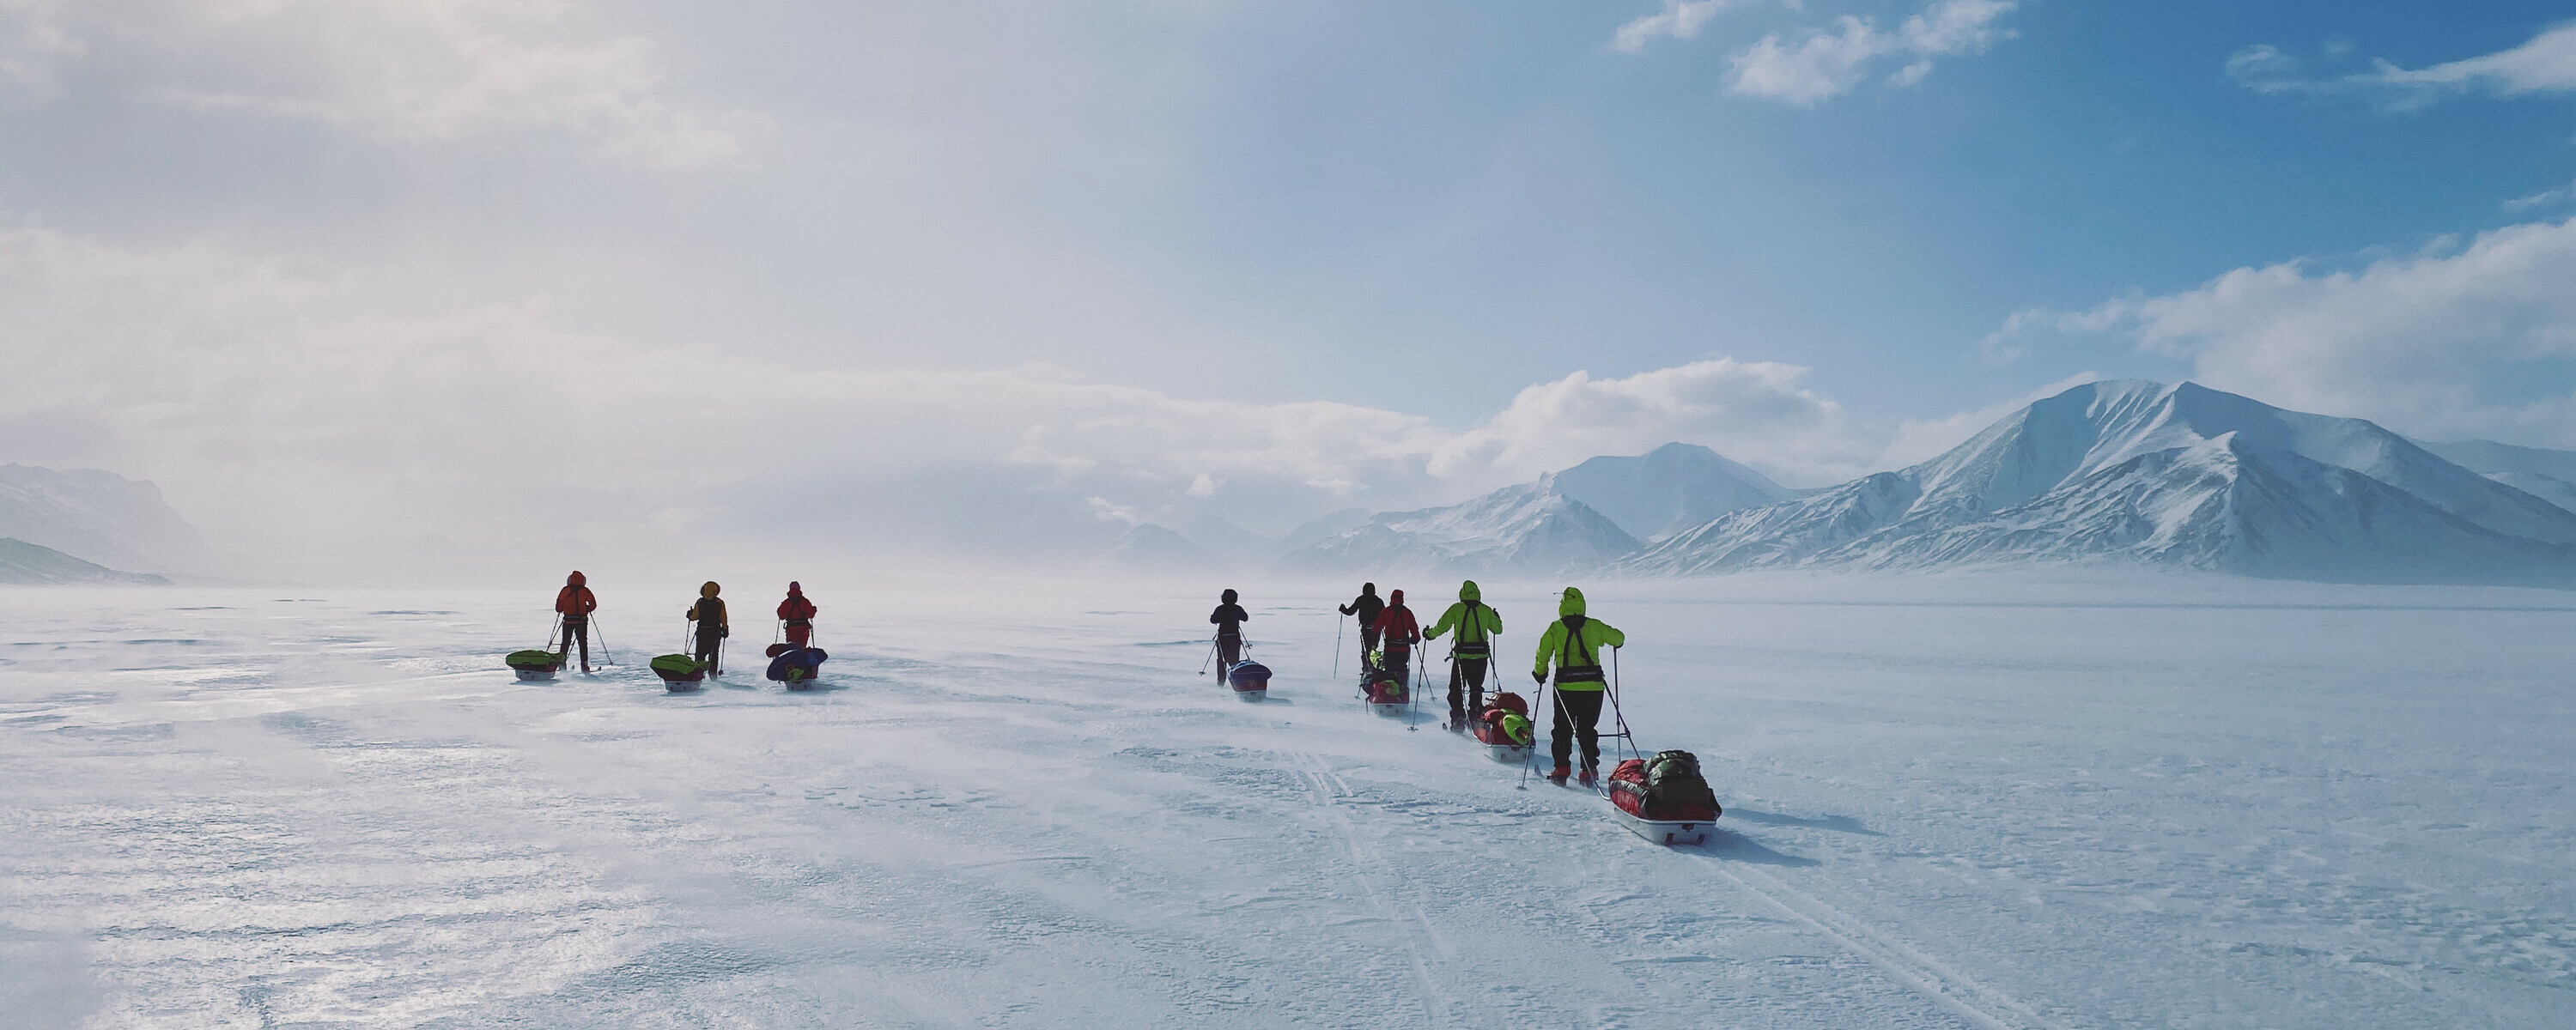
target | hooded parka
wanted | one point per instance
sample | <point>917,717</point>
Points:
<point>1574,642</point>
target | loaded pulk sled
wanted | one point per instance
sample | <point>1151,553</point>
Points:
<point>793,665</point>
<point>538,664</point>
<point>1664,798</point>
<point>683,672</point>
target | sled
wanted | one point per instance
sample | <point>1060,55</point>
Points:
<point>534,665</point>
<point>1664,831</point>
<point>1512,754</point>
<point>679,672</point>
<point>1390,709</point>
<point>1250,680</point>
<point>797,667</point>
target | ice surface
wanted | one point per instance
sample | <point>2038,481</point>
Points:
<point>1951,802</point>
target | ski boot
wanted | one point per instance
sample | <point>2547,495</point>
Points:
<point>1590,778</point>
<point>1558,775</point>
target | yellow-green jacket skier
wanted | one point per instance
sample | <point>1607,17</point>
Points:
<point>1469,651</point>
<point>1574,642</point>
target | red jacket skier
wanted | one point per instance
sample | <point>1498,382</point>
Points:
<point>1399,632</point>
<point>798,613</point>
<point>575,602</point>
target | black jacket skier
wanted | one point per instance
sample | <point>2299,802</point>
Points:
<point>1366,608</point>
<point>1228,619</point>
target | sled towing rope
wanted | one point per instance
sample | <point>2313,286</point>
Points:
<point>1660,831</point>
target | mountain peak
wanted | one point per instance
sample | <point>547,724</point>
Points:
<point>1666,490</point>
<point>2171,474</point>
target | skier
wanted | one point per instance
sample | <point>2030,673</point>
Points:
<point>1366,607</point>
<point>799,616</point>
<point>575,602</point>
<point>1469,651</point>
<point>1228,619</point>
<point>1395,626</point>
<point>708,611</point>
<point>1575,641</point>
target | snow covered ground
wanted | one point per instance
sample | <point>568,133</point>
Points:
<point>1950,803</point>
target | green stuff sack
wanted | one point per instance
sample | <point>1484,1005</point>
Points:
<point>676,664</point>
<point>532,660</point>
<point>1516,728</point>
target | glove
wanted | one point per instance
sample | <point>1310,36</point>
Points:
<point>1538,677</point>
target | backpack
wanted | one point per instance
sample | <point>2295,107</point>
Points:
<point>1673,788</point>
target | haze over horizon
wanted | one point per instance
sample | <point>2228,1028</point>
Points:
<point>337,275</point>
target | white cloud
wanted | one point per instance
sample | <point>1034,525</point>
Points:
<point>288,402</point>
<point>398,71</point>
<point>1754,411</point>
<point>1826,62</point>
<point>34,46</point>
<point>1680,19</point>
<point>2546,63</point>
<point>2544,198</point>
<point>2414,341</point>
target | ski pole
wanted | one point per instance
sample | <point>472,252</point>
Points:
<point>1337,647</point>
<point>1533,752</point>
<point>1413,698</point>
<point>1210,659</point>
<point>1625,736</point>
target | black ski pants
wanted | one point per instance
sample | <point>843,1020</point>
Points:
<point>1399,660</point>
<point>577,628</point>
<point>710,647</point>
<point>1466,687</point>
<point>1368,642</point>
<point>1578,716</point>
<point>1229,650</point>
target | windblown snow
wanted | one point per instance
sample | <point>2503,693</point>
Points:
<point>1951,802</point>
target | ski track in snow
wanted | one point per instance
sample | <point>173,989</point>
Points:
<point>233,810</point>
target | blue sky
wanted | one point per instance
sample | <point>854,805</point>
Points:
<point>1263,259</point>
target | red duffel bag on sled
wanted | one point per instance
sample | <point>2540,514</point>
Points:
<point>1665,788</point>
<point>1505,721</point>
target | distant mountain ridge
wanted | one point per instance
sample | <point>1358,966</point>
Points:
<point>1579,519</point>
<point>1671,489</point>
<point>23,563</point>
<point>1530,529</point>
<point>98,517</point>
<point>2174,475</point>
<point>2546,474</point>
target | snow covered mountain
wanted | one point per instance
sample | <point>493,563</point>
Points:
<point>2178,475</point>
<point>1530,529</point>
<point>1673,488</point>
<point>2543,473</point>
<point>98,517</point>
<point>25,563</point>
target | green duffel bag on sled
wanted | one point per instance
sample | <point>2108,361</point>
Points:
<point>534,665</point>
<point>679,668</point>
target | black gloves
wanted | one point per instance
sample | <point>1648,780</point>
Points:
<point>1538,677</point>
